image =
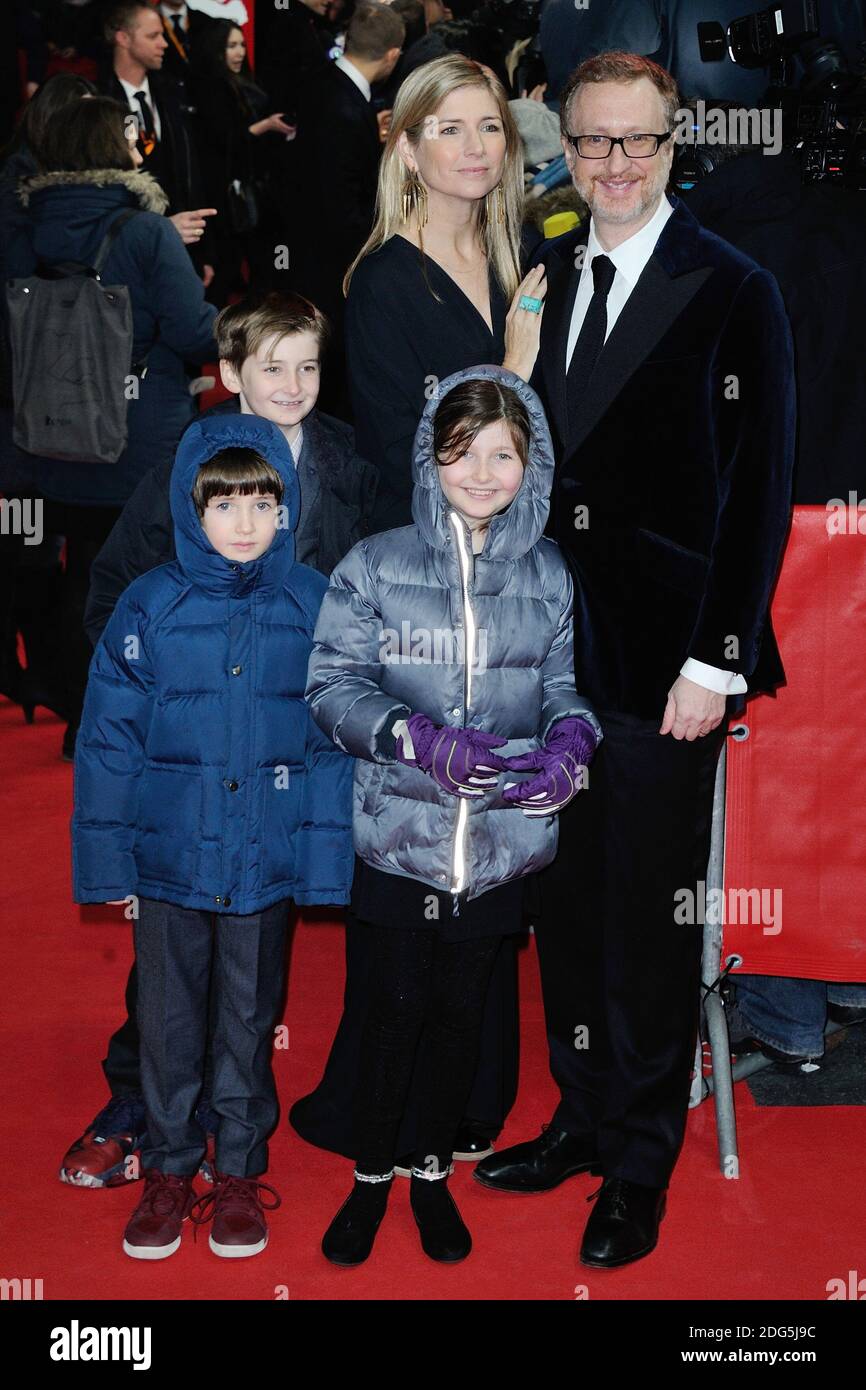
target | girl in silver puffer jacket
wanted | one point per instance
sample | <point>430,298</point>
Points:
<point>443,662</point>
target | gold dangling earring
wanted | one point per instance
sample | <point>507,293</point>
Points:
<point>414,199</point>
<point>421,211</point>
<point>500,205</point>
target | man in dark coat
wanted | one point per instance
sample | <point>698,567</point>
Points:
<point>182,28</point>
<point>134,77</point>
<point>666,365</point>
<point>292,44</point>
<point>812,237</point>
<point>337,168</point>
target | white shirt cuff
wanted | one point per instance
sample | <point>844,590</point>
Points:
<point>714,678</point>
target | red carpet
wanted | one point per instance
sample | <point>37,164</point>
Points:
<point>793,1221</point>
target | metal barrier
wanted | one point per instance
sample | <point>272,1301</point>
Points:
<point>720,1083</point>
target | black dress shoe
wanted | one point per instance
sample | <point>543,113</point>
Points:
<point>624,1224</point>
<point>846,1014</point>
<point>785,1061</point>
<point>350,1236</point>
<point>444,1236</point>
<point>472,1142</point>
<point>540,1164</point>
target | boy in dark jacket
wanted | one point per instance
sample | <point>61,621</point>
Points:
<point>206,798</point>
<point>269,348</point>
<point>270,351</point>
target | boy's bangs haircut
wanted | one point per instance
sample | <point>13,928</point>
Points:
<point>240,329</point>
<point>472,406</point>
<point>234,472</point>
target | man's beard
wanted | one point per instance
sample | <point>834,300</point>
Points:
<point>597,201</point>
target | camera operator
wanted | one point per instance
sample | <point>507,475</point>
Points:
<point>667,32</point>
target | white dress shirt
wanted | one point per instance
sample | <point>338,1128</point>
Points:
<point>181,12</point>
<point>629,259</point>
<point>143,86</point>
<point>295,449</point>
<point>360,81</point>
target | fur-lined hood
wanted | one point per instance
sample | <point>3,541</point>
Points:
<point>145,187</point>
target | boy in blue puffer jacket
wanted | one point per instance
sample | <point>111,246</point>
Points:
<point>206,796</point>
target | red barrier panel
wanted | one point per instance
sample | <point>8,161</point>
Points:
<point>796,794</point>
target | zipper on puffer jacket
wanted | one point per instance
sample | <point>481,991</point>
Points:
<point>458,851</point>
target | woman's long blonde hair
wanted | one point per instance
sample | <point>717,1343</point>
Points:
<point>418,98</point>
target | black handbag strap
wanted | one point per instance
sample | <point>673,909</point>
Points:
<point>69,268</point>
<point>138,368</point>
<point>58,270</point>
<point>113,232</point>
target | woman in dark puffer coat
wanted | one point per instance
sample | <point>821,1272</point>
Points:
<point>92,176</point>
<point>436,644</point>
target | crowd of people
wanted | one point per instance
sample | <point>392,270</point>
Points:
<point>430,618</point>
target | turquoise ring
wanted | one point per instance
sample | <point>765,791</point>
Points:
<point>526,301</point>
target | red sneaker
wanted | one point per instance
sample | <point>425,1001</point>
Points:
<point>239,1225</point>
<point>207,1170</point>
<point>106,1155</point>
<point>154,1229</point>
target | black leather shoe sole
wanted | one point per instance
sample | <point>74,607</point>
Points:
<point>625,1260</point>
<point>472,1155</point>
<point>343,1263</point>
<point>446,1259</point>
<point>523,1190</point>
<point>336,1258</point>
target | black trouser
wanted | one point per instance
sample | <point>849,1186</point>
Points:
<point>327,1117</point>
<point>31,592</point>
<point>86,530</point>
<point>614,961</point>
<point>176,949</point>
<point>422,986</point>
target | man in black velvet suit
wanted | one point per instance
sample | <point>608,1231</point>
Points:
<point>666,368</point>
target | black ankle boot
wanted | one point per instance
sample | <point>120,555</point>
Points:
<point>443,1234</point>
<point>350,1236</point>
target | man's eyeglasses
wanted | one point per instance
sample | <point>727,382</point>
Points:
<point>633,146</point>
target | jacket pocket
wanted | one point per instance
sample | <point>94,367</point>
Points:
<point>671,564</point>
<point>169,826</point>
<point>281,821</point>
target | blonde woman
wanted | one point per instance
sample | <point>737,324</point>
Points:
<point>430,289</point>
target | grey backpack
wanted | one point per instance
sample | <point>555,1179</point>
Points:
<point>70,339</point>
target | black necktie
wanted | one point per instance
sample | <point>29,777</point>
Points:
<point>179,32</point>
<point>148,130</point>
<point>590,339</point>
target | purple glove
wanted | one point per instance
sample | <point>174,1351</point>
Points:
<point>569,747</point>
<point>458,760</point>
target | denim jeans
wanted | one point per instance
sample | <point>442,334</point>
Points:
<point>792,1014</point>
